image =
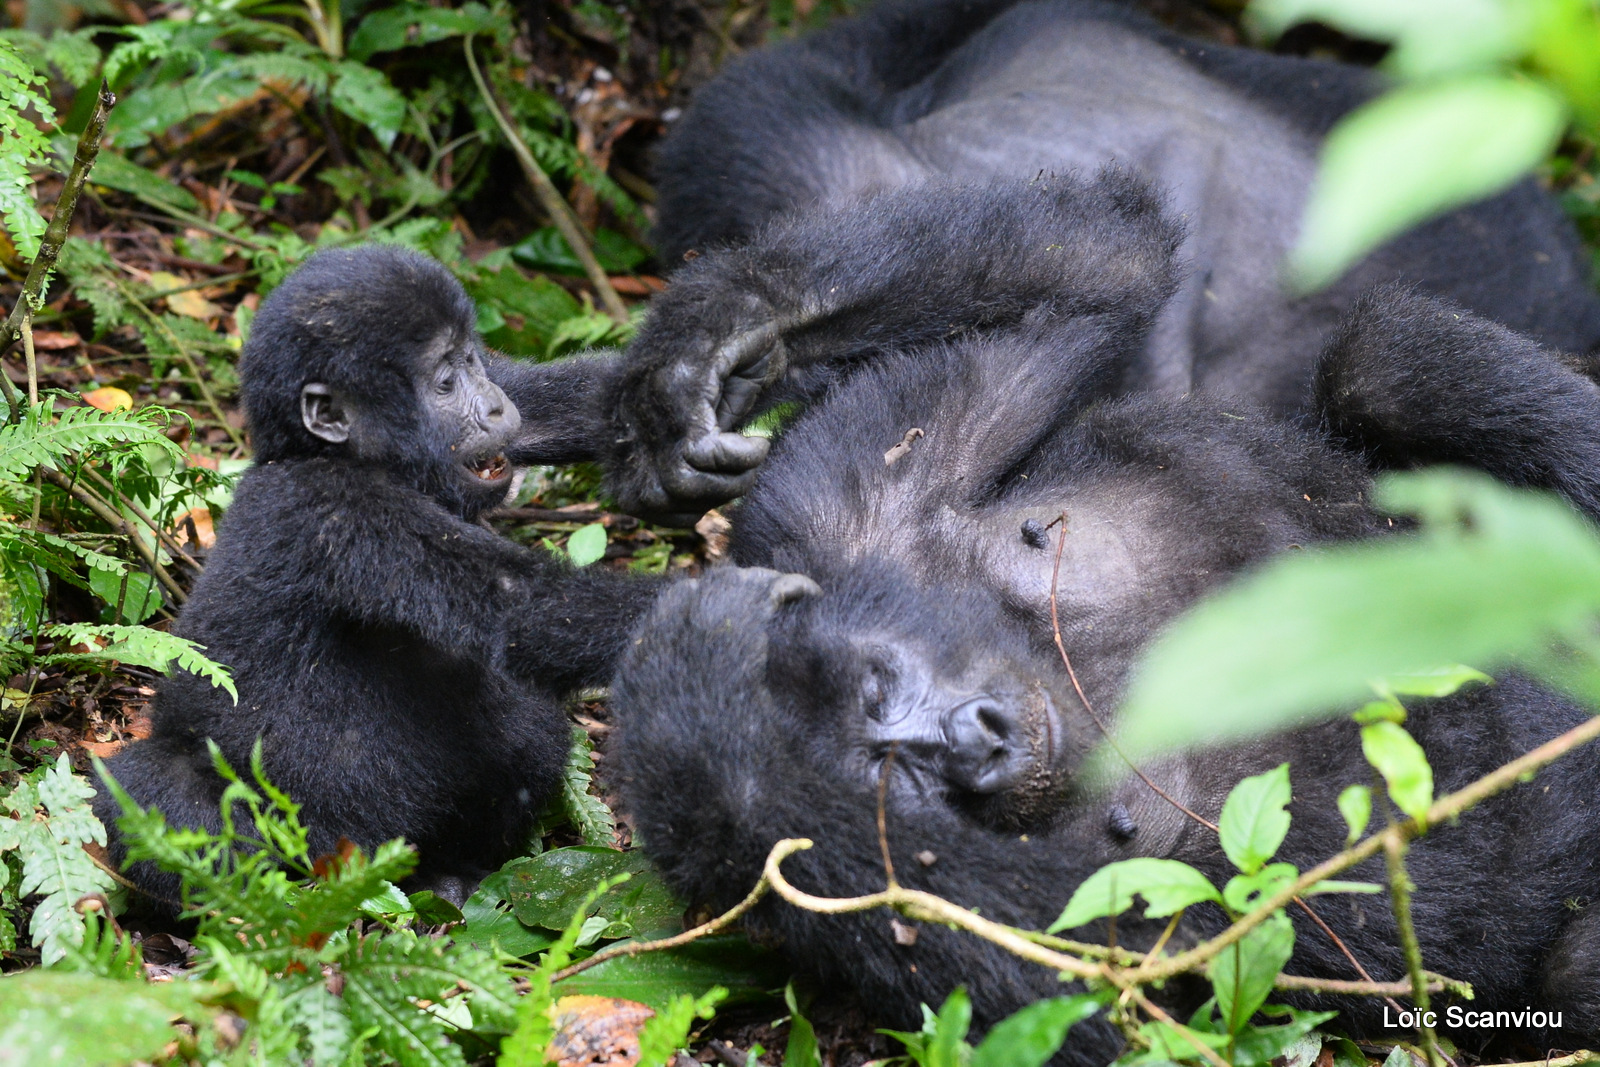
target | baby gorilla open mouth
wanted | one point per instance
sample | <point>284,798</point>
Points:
<point>491,469</point>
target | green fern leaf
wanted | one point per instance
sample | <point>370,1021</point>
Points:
<point>667,1032</point>
<point>382,978</point>
<point>26,149</point>
<point>50,843</point>
<point>45,437</point>
<point>590,814</point>
<point>319,1015</point>
<point>143,646</point>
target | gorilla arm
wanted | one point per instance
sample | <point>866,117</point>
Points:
<point>815,293</point>
<point>1411,379</point>
<point>562,405</point>
<point>391,557</point>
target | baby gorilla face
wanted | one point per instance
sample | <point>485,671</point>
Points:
<point>469,415</point>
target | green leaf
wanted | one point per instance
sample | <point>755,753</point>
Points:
<point>747,971</point>
<point>1244,891</point>
<point>1432,37</point>
<point>589,813</point>
<point>1031,1036</point>
<point>547,249</point>
<point>142,646</point>
<point>1494,575</point>
<point>115,172</point>
<point>412,25</point>
<point>133,595</point>
<point>87,1021</point>
<point>1439,682</point>
<point>518,314</point>
<point>544,890</point>
<point>490,923</point>
<point>669,1029</point>
<point>801,1051</point>
<point>587,544</point>
<point>1242,975</point>
<point>1355,804</point>
<point>1414,153</point>
<point>366,96</point>
<point>1403,765</point>
<point>54,865</point>
<point>1254,822</point>
<point>1166,885</point>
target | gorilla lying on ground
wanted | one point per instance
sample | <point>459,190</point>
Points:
<point>969,90</point>
<point>401,664</point>
<point>923,620</point>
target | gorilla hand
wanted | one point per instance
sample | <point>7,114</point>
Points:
<point>679,452</point>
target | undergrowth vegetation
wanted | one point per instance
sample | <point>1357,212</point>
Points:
<point>163,167</point>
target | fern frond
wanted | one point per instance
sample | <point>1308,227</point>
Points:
<point>27,148</point>
<point>48,437</point>
<point>143,646</point>
<point>105,951</point>
<point>383,976</point>
<point>590,814</point>
<point>50,844</point>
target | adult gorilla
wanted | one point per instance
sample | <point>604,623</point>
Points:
<point>922,622</point>
<point>968,90</point>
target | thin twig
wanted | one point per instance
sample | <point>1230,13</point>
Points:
<point>109,515</point>
<point>1572,1059</point>
<point>1394,850</point>
<point>554,204</point>
<point>188,359</point>
<point>705,929</point>
<point>883,825</point>
<point>1183,1031</point>
<point>170,542</point>
<point>1445,808</point>
<point>55,235</point>
<point>1055,628</point>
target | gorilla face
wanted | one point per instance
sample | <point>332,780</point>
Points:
<point>873,658</point>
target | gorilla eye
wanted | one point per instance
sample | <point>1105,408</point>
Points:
<point>875,694</point>
<point>447,381</point>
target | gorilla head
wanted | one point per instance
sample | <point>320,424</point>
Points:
<point>387,369</point>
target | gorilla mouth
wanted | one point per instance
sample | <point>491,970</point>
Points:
<point>491,469</point>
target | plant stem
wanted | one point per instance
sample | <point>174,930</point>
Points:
<point>705,929</point>
<point>1445,808</point>
<point>29,357</point>
<point>109,515</point>
<point>170,542</point>
<point>55,235</point>
<point>1400,897</point>
<point>555,205</point>
<point>188,359</point>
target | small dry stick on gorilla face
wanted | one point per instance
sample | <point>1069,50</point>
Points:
<point>402,665</point>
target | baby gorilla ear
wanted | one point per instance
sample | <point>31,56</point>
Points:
<point>1410,380</point>
<point>324,413</point>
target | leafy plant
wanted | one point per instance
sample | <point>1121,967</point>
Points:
<point>1474,109</point>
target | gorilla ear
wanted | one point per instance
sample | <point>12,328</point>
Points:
<point>324,414</point>
<point>1408,379</point>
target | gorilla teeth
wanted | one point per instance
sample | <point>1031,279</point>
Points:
<point>491,469</point>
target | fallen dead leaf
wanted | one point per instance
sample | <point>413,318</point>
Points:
<point>108,398</point>
<point>204,531</point>
<point>55,340</point>
<point>597,1031</point>
<point>188,303</point>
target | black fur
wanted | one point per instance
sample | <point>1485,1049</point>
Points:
<point>931,630</point>
<point>965,91</point>
<point>401,664</point>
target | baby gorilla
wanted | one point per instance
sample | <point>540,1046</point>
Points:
<point>401,664</point>
<point>920,636</point>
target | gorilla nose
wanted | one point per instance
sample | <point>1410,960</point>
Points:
<point>492,410</point>
<point>985,750</point>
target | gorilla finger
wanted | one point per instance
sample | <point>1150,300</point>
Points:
<point>726,453</point>
<point>739,396</point>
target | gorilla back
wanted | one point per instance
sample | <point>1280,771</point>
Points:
<point>974,89</point>
<point>400,664</point>
<point>923,627</point>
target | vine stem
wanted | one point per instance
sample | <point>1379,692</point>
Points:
<point>55,235</point>
<point>550,198</point>
<point>1394,855</point>
<point>705,929</point>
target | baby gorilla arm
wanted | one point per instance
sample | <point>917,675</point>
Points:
<point>829,288</point>
<point>562,405</point>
